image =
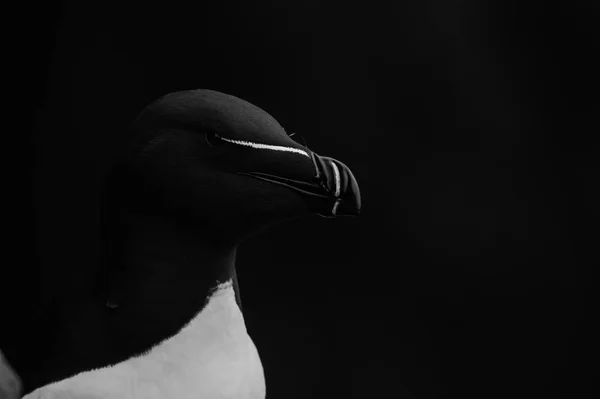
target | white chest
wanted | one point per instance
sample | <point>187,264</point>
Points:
<point>210,358</point>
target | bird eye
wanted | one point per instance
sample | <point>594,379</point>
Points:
<point>213,139</point>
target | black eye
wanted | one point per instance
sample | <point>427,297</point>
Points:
<point>213,139</point>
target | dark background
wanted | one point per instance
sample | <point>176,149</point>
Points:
<point>470,127</point>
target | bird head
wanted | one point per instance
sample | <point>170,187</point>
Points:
<point>205,158</point>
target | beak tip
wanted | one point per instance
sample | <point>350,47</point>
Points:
<point>348,208</point>
<point>352,203</point>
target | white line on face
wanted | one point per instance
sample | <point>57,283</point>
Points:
<point>266,146</point>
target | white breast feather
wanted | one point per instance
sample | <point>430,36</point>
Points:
<point>210,358</point>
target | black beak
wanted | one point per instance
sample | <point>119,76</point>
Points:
<point>333,192</point>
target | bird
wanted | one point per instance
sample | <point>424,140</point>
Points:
<point>201,172</point>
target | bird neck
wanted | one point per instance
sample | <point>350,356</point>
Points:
<point>211,356</point>
<point>157,280</point>
<point>158,261</point>
<point>159,277</point>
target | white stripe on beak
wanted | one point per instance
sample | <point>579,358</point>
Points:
<point>336,172</point>
<point>266,146</point>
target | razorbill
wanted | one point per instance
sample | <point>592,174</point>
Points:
<point>202,172</point>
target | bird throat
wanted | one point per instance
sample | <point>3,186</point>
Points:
<point>160,278</point>
<point>153,260</point>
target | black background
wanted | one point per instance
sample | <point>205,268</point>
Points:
<point>470,127</point>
